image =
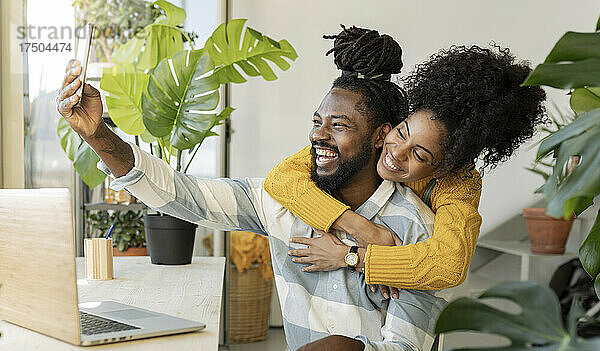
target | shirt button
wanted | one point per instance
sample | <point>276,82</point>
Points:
<point>334,286</point>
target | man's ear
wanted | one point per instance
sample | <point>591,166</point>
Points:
<point>382,131</point>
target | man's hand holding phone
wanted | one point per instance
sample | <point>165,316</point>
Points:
<point>85,118</point>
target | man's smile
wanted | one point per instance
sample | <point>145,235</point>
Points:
<point>325,156</point>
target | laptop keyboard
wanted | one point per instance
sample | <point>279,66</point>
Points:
<point>92,325</point>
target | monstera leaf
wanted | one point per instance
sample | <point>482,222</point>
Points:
<point>125,85</point>
<point>182,103</point>
<point>573,63</point>
<point>585,99</point>
<point>576,192</point>
<point>81,154</point>
<point>229,49</point>
<point>537,327</point>
<point>182,93</point>
<point>589,251</point>
<point>160,39</point>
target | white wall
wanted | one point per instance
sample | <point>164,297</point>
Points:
<point>273,118</point>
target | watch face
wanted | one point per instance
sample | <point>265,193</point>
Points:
<point>351,259</point>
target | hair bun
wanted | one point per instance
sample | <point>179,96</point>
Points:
<point>365,51</point>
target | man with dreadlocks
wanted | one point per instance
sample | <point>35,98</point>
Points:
<point>327,311</point>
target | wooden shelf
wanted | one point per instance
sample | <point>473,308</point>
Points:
<point>101,206</point>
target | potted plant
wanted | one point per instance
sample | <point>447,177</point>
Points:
<point>573,64</point>
<point>169,97</point>
<point>128,234</point>
<point>548,235</point>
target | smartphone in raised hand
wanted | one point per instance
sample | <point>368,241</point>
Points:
<point>83,47</point>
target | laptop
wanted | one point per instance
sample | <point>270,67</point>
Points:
<point>38,283</point>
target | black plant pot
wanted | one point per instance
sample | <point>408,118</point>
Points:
<point>170,240</point>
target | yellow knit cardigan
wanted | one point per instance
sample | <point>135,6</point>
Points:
<point>437,263</point>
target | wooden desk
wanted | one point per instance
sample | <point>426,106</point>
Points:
<point>191,291</point>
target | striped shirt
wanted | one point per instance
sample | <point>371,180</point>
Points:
<point>314,305</point>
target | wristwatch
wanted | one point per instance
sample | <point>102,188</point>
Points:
<point>351,258</point>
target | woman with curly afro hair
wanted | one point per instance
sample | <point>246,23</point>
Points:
<point>464,104</point>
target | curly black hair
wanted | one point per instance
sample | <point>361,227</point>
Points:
<point>477,94</point>
<point>367,60</point>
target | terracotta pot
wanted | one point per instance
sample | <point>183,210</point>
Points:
<point>132,251</point>
<point>548,235</point>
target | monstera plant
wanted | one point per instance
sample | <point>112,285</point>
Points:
<point>574,64</point>
<point>169,96</point>
<point>538,325</point>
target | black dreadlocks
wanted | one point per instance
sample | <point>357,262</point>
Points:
<point>364,52</point>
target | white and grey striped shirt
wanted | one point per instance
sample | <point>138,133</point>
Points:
<point>314,305</point>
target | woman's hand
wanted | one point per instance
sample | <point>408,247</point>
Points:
<point>364,231</point>
<point>324,253</point>
<point>379,235</point>
<point>386,291</point>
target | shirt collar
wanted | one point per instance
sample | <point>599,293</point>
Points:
<point>376,202</point>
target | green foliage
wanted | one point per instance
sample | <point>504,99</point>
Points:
<point>125,85</point>
<point>585,99</point>
<point>574,193</point>
<point>574,64</point>
<point>170,96</point>
<point>544,165</point>
<point>228,48</point>
<point>182,101</point>
<point>537,327</point>
<point>128,231</point>
<point>81,154</point>
<point>117,21</point>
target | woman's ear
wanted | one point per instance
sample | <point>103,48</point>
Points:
<point>384,129</point>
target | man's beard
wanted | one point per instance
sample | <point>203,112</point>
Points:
<point>346,169</point>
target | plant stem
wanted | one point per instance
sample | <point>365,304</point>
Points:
<point>178,161</point>
<point>191,159</point>
<point>160,154</point>
<point>188,39</point>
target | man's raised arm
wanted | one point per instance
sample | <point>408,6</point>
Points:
<point>86,120</point>
<point>224,204</point>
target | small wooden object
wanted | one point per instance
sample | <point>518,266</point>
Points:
<point>98,259</point>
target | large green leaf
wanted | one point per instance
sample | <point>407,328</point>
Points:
<point>538,323</point>
<point>81,154</point>
<point>589,252</point>
<point>160,39</point>
<point>125,85</point>
<point>574,62</point>
<point>566,75</point>
<point>585,99</point>
<point>573,46</point>
<point>173,16</point>
<point>182,102</point>
<point>182,93</point>
<point>229,49</point>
